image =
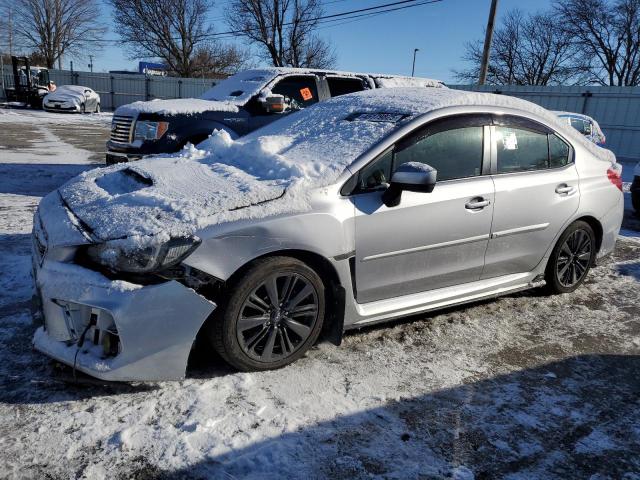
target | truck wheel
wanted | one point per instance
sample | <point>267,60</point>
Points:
<point>571,258</point>
<point>273,315</point>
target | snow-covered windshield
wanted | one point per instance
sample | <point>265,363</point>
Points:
<point>239,88</point>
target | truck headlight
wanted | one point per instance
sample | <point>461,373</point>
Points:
<point>146,130</point>
<point>121,256</point>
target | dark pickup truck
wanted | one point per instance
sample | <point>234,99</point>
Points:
<point>240,104</point>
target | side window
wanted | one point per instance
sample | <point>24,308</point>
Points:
<point>376,173</point>
<point>300,89</point>
<point>521,150</point>
<point>342,86</point>
<point>454,153</point>
<point>558,152</point>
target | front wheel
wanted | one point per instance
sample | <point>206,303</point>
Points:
<point>571,258</point>
<point>273,315</point>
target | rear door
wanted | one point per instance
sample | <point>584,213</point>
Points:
<point>536,193</point>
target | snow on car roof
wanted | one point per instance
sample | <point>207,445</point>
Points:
<point>271,171</point>
<point>72,88</point>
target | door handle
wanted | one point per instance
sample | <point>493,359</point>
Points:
<point>477,204</point>
<point>564,189</point>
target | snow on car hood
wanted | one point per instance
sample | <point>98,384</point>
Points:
<point>65,95</point>
<point>160,195</point>
<point>185,106</point>
<point>269,172</point>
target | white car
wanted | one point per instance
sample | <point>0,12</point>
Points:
<point>72,98</point>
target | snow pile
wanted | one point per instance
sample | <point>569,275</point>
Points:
<point>187,106</point>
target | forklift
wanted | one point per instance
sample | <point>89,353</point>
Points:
<point>31,84</point>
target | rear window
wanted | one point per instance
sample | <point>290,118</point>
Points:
<point>342,86</point>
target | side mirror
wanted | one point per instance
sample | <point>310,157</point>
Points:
<point>275,103</point>
<point>410,176</point>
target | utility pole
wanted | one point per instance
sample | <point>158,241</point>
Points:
<point>91,63</point>
<point>413,68</point>
<point>488,38</point>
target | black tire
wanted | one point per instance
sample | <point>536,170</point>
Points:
<point>235,342</point>
<point>571,258</point>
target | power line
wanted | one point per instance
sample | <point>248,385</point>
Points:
<point>348,15</point>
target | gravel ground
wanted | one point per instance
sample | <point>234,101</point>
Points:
<point>524,386</point>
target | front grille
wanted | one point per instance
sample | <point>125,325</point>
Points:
<point>121,129</point>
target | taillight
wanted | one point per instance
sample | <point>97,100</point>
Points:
<point>614,174</point>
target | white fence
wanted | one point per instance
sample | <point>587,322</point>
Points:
<point>617,109</point>
<point>117,89</point>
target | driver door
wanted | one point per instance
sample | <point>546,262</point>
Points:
<point>430,240</point>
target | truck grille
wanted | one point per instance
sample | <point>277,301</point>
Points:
<point>121,129</point>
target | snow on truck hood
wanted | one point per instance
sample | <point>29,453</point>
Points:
<point>271,171</point>
<point>186,106</point>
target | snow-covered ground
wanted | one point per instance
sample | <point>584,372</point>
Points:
<point>525,386</point>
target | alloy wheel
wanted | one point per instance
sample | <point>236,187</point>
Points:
<point>574,258</point>
<point>277,317</point>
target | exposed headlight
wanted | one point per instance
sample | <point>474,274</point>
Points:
<point>122,256</point>
<point>150,130</point>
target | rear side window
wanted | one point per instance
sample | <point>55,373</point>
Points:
<point>342,86</point>
<point>521,150</point>
<point>558,152</point>
<point>301,89</point>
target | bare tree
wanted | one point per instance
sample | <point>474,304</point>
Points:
<point>284,29</point>
<point>607,35</point>
<point>176,32</point>
<point>526,50</point>
<point>54,28</point>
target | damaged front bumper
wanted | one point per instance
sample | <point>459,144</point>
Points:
<point>115,330</point>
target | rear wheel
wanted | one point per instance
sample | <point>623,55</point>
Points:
<point>571,258</point>
<point>273,315</point>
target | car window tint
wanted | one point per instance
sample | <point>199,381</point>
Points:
<point>520,150</point>
<point>301,89</point>
<point>558,152</point>
<point>454,153</point>
<point>342,86</point>
<point>376,173</point>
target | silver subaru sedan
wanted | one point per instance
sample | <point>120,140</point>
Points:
<point>361,209</point>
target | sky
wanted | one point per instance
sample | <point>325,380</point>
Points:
<point>383,43</point>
